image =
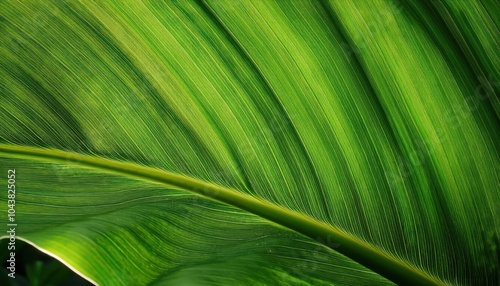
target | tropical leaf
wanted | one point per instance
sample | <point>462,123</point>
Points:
<point>255,142</point>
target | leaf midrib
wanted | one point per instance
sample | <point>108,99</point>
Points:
<point>362,252</point>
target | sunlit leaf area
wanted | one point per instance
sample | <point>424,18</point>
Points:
<point>249,142</point>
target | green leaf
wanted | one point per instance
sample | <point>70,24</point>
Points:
<point>255,142</point>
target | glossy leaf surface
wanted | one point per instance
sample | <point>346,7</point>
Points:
<point>255,142</point>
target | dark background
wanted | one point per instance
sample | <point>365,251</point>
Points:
<point>34,268</point>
